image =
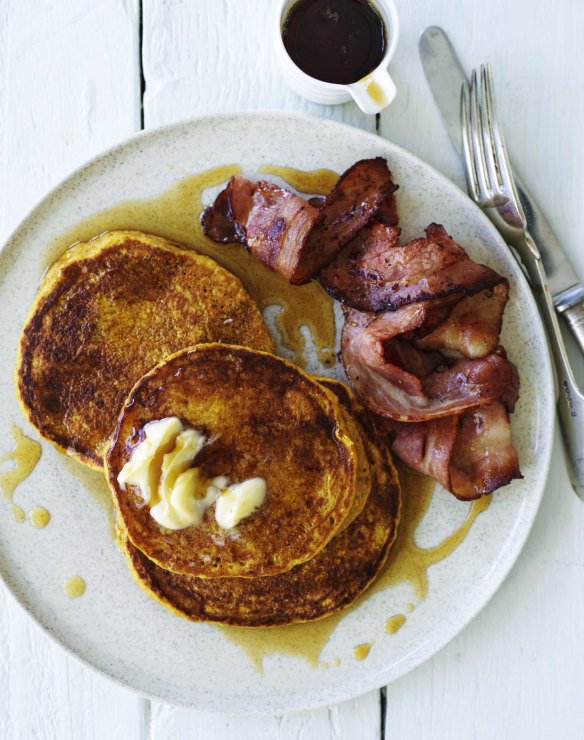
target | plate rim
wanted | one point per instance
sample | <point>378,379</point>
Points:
<point>279,702</point>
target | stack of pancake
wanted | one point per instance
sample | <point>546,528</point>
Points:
<point>128,329</point>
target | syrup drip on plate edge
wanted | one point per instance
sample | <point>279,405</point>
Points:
<point>24,457</point>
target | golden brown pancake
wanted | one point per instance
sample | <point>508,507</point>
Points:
<point>106,312</point>
<point>330,581</point>
<point>355,419</point>
<point>263,417</point>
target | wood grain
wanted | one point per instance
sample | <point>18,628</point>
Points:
<point>69,87</point>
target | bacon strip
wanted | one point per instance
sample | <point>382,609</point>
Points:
<point>396,380</point>
<point>422,349</point>
<point>278,228</point>
<point>469,455</point>
<point>484,457</point>
<point>297,237</point>
<point>485,379</point>
<point>473,327</point>
<point>357,198</point>
<point>353,277</point>
<point>225,220</point>
<point>373,273</point>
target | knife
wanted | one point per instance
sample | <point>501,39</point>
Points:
<point>445,77</point>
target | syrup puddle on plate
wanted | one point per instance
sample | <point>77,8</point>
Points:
<point>407,563</point>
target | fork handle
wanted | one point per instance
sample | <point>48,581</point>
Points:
<point>574,317</point>
<point>571,399</point>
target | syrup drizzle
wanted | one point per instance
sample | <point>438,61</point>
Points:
<point>24,457</point>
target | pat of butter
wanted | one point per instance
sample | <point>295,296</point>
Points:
<point>143,468</point>
<point>239,501</point>
<point>161,467</point>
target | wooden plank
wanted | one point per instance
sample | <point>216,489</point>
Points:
<point>358,719</point>
<point>200,58</point>
<point>214,56</point>
<point>69,87</point>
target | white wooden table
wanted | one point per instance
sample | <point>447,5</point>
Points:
<point>79,75</point>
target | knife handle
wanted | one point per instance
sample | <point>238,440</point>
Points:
<point>574,317</point>
<point>571,398</point>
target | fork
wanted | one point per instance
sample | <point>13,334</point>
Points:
<point>490,184</point>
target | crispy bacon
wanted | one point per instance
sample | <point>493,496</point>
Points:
<point>485,379</point>
<point>373,273</point>
<point>427,446</point>
<point>278,228</point>
<point>358,197</point>
<point>395,379</point>
<point>388,213</point>
<point>353,277</point>
<point>225,220</point>
<point>420,343</point>
<point>484,457</point>
<point>473,326</point>
<point>470,454</point>
<point>297,237</point>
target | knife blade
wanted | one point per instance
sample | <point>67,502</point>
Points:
<point>445,77</point>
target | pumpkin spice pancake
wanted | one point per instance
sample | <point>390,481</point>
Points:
<point>355,420</point>
<point>231,462</point>
<point>327,583</point>
<point>106,312</point>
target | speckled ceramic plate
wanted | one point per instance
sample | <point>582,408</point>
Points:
<point>114,626</point>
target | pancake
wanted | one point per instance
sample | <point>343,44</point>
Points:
<point>355,419</point>
<point>106,312</point>
<point>331,581</point>
<point>263,417</point>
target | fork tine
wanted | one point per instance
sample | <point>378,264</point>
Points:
<point>470,170</point>
<point>504,173</point>
<point>476,126</point>
<point>490,137</point>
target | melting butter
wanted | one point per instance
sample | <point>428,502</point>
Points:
<point>178,494</point>
<point>143,469</point>
<point>239,501</point>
